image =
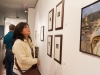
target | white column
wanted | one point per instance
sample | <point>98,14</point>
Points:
<point>31,20</point>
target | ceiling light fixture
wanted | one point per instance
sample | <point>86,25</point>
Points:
<point>25,11</point>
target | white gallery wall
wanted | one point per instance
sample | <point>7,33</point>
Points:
<point>74,62</point>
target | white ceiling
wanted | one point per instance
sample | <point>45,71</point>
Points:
<point>16,8</point>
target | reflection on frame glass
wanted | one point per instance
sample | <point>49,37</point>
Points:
<point>42,33</point>
<point>49,45</point>
<point>90,29</point>
<point>58,48</point>
<point>50,20</point>
<point>59,15</point>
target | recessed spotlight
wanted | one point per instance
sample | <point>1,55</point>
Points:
<point>25,11</point>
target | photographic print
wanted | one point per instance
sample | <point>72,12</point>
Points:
<point>59,15</point>
<point>50,20</point>
<point>90,29</point>
<point>49,45</point>
<point>58,48</point>
<point>42,33</point>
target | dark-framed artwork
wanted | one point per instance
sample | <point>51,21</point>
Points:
<point>36,51</point>
<point>58,48</point>
<point>50,20</point>
<point>59,15</point>
<point>42,33</point>
<point>90,29</point>
<point>49,45</point>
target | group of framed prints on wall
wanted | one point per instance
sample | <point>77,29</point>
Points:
<point>90,29</point>
<point>57,47</point>
<point>57,38</point>
<point>58,17</point>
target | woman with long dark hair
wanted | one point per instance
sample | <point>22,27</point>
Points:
<point>23,48</point>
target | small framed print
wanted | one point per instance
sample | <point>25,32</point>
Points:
<point>42,33</point>
<point>49,45</point>
<point>50,20</point>
<point>59,15</point>
<point>58,48</point>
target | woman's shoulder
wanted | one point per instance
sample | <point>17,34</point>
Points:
<point>18,41</point>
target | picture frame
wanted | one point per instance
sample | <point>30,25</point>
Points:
<point>58,48</point>
<point>50,20</point>
<point>42,33</point>
<point>59,15</point>
<point>49,45</point>
<point>36,51</point>
<point>90,29</point>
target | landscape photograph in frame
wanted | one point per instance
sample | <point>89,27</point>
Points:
<point>90,29</point>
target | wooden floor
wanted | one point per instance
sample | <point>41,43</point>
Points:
<point>2,70</point>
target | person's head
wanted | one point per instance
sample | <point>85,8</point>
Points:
<point>11,27</point>
<point>21,31</point>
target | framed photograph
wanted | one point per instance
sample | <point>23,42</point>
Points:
<point>49,45</point>
<point>59,15</point>
<point>42,33</point>
<point>50,20</point>
<point>58,48</point>
<point>90,29</point>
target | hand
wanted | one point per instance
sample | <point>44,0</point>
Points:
<point>38,62</point>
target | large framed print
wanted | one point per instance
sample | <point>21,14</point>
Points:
<point>58,48</point>
<point>49,45</point>
<point>90,29</point>
<point>50,20</point>
<point>59,15</point>
<point>42,33</point>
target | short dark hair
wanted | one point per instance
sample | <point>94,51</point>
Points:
<point>17,32</point>
<point>11,26</point>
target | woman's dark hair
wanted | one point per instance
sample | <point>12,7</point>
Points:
<point>17,32</point>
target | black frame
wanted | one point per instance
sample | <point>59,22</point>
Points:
<point>51,11</point>
<point>60,57</point>
<point>62,15</point>
<point>51,45</point>
<point>87,24</point>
